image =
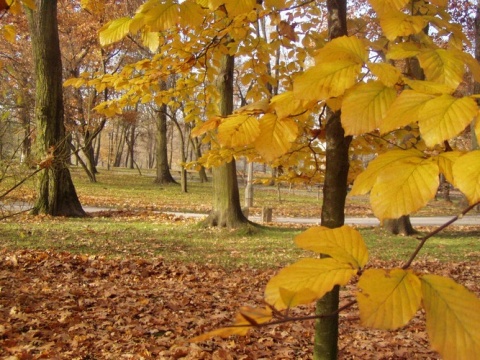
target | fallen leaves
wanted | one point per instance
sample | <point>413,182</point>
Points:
<point>64,306</point>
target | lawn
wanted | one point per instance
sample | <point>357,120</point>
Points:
<point>137,283</point>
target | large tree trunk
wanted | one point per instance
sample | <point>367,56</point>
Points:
<point>57,195</point>
<point>401,226</point>
<point>334,194</point>
<point>227,211</point>
<point>163,170</point>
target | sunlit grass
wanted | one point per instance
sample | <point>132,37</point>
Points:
<point>150,236</point>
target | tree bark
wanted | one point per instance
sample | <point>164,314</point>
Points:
<point>334,194</point>
<point>57,195</point>
<point>163,171</point>
<point>401,226</point>
<point>227,211</point>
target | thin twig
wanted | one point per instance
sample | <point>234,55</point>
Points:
<point>424,239</point>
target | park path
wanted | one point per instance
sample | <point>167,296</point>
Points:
<point>470,220</point>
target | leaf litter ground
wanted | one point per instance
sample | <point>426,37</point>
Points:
<point>57,305</point>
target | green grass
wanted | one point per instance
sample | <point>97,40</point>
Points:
<point>153,236</point>
<point>147,234</point>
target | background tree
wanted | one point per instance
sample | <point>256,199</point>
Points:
<point>57,195</point>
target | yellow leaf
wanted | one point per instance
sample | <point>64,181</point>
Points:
<point>151,40</point>
<point>386,73</point>
<point>442,66</point>
<point>238,130</point>
<point>337,66</point>
<point>258,107</point>
<point>163,16</point>
<point>247,318</point>
<point>310,279</point>
<point>404,110</point>
<point>445,162</point>
<point>428,87</point>
<point>365,181</point>
<point>191,14</point>
<point>453,318</point>
<point>348,48</point>
<point>396,24</point>
<point>385,6</point>
<point>276,4</point>
<point>326,80</point>
<point>8,32</point>
<point>209,125</point>
<point>365,105</point>
<point>472,64</point>
<point>404,187</point>
<point>402,51</point>
<point>276,136</point>
<point>114,31</point>
<point>94,6</point>
<point>344,244</point>
<point>466,175</point>
<point>75,82</point>
<point>285,105</point>
<point>388,298</point>
<point>445,117</point>
<point>238,7</point>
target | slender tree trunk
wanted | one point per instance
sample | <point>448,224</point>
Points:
<point>334,194</point>
<point>163,170</point>
<point>57,195</point>
<point>227,211</point>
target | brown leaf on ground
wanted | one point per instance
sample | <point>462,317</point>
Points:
<point>64,306</point>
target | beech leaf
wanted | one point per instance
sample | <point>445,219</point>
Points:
<point>388,298</point>
<point>466,175</point>
<point>344,244</point>
<point>309,278</point>
<point>452,317</point>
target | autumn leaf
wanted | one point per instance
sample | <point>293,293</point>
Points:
<point>466,175</point>
<point>366,180</point>
<point>238,130</point>
<point>245,320</point>
<point>382,7</point>
<point>337,66</point>
<point>388,299</point>
<point>404,110</point>
<point>276,136</point>
<point>445,162</point>
<point>388,74</point>
<point>442,66</point>
<point>404,187</point>
<point>310,279</point>
<point>114,31</point>
<point>395,24</point>
<point>365,105</point>
<point>444,117</point>
<point>452,322</point>
<point>344,244</point>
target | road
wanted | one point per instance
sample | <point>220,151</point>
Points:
<point>471,220</point>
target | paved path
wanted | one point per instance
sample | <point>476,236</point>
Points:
<point>365,221</point>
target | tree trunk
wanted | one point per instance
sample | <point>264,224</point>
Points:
<point>57,195</point>
<point>401,226</point>
<point>227,211</point>
<point>163,171</point>
<point>334,194</point>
